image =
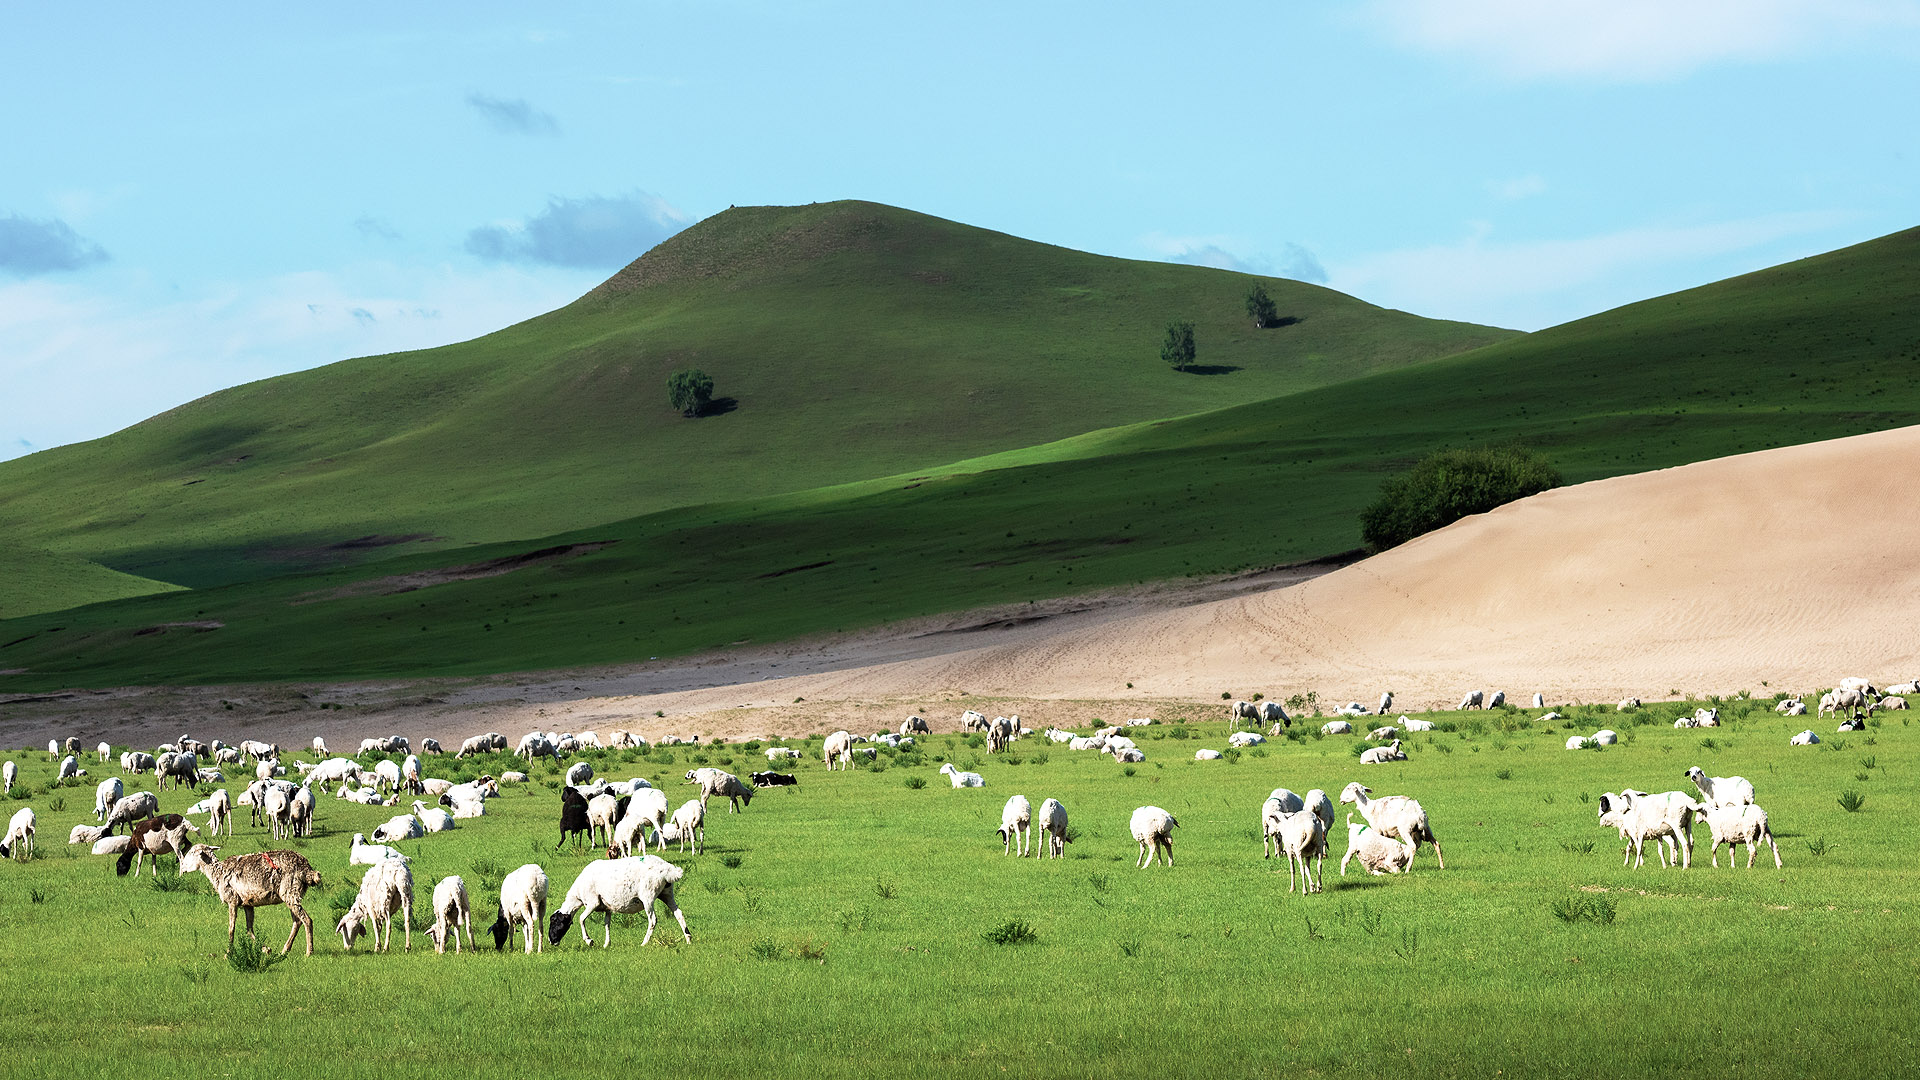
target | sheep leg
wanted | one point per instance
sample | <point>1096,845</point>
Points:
<point>1168,841</point>
<point>406,926</point>
<point>1142,865</point>
<point>606,929</point>
<point>1437,854</point>
<point>1768,837</point>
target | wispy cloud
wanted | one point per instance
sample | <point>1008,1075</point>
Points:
<point>30,247</point>
<point>1632,40</point>
<point>595,232</point>
<point>513,116</point>
<point>1530,284</point>
<point>1219,252</point>
<point>375,228</point>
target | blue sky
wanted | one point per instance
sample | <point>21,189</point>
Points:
<point>193,199</point>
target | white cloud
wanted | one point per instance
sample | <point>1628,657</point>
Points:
<point>1632,40</point>
<point>1294,262</point>
<point>1536,283</point>
<point>79,363</point>
<point>594,231</point>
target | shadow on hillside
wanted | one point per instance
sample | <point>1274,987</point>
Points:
<point>1210,369</point>
<point>719,405</point>
<point>1284,320</point>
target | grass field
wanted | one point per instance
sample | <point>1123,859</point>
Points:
<point>1814,350</point>
<point>840,927</point>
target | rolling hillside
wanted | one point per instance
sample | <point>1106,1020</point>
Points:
<point>1817,349</point>
<point>851,340</point>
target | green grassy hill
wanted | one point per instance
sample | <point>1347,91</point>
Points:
<point>1816,349</point>
<point>39,581</point>
<point>851,340</point>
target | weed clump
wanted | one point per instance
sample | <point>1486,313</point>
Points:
<point>1012,932</point>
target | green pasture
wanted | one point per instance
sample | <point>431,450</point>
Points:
<point>849,926</point>
<point>1814,350</point>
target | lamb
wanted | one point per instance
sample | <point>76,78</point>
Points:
<point>1739,824</point>
<point>1016,823</point>
<point>838,748</point>
<point>1053,830</point>
<point>1336,727</point>
<point>1305,838</point>
<point>451,910</point>
<point>1396,816</point>
<point>1381,754</point>
<point>1676,809</point>
<point>250,881</point>
<point>962,779</point>
<point>432,818</point>
<point>1378,854</point>
<point>361,853</point>
<point>769,778</point>
<point>386,888</point>
<point>647,806</point>
<point>105,794</point>
<point>1153,828</point>
<point>18,843</point>
<point>1721,790</point>
<point>523,900</point>
<point>718,782</point>
<point>1471,701</point>
<point>689,826</point>
<point>1805,738</point>
<point>625,886</point>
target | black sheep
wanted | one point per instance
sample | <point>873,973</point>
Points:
<point>573,816</point>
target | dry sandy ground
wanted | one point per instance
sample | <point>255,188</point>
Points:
<point>1784,569</point>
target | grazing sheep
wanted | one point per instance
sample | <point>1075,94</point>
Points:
<point>580,772</point>
<point>1835,700</point>
<point>1805,738</point>
<point>178,767</point>
<point>962,779</point>
<point>432,818</point>
<point>18,843</point>
<point>1378,854</point>
<point>1539,702</point>
<point>1498,699</point>
<point>523,900</point>
<point>155,837</point>
<point>575,824</point>
<point>1271,713</point>
<point>135,807</point>
<point>1153,828</point>
<point>603,811</point>
<point>452,909</point>
<point>1016,823</point>
<point>1053,830</point>
<point>1381,754</point>
<point>105,794</point>
<point>689,826</point>
<point>1640,819</point>
<point>1304,836</point>
<point>320,746</point>
<point>714,782</point>
<point>914,725</point>
<point>1000,733</point>
<point>1472,700</point>
<point>386,888</point>
<point>770,778</point>
<point>361,853</point>
<point>535,744</point>
<point>1739,824</point>
<point>1386,703</point>
<point>1272,814</point>
<point>1396,816</point>
<point>337,770</point>
<point>1206,755</point>
<point>1721,790</point>
<point>646,806</point>
<point>69,769</point>
<point>1243,710</point>
<point>482,744</point>
<point>838,750</point>
<point>973,721</point>
<point>1336,727</point>
<point>623,886</point>
<point>9,772</point>
<point>245,882</point>
<point>1244,739</point>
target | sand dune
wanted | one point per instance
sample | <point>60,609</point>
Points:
<point>1789,567</point>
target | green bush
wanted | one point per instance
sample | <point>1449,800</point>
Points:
<point>1448,485</point>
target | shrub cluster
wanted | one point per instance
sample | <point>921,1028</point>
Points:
<point>1448,485</point>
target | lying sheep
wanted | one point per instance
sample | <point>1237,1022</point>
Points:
<point>1377,854</point>
<point>403,827</point>
<point>1382,734</point>
<point>361,853</point>
<point>1379,755</point>
<point>1805,738</point>
<point>1206,755</point>
<point>1336,727</point>
<point>771,778</point>
<point>1409,724</point>
<point>1606,737</point>
<point>1242,739</point>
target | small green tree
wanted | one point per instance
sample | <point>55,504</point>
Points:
<point>1178,348</point>
<point>1260,307</point>
<point>1448,485</point>
<point>689,391</point>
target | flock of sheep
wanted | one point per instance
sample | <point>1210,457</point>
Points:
<point>628,817</point>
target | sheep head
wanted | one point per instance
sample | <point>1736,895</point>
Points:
<point>558,925</point>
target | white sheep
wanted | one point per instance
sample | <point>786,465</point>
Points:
<point>432,818</point>
<point>1378,854</point>
<point>973,721</point>
<point>623,886</point>
<point>1127,756</point>
<point>837,750</point>
<point>1242,739</point>
<point>647,806</point>
<point>18,843</point>
<point>1378,755</point>
<point>103,750</point>
<point>1396,816</point>
<point>1243,710</point>
<point>86,834</point>
<point>9,772</point>
<point>1805,738</point>
<point>1206,755</point>
<point>1627,704</point>
<point>452,909</point>
<point>1638,824</point>
<point>403,827</point>
<point>1153,828</point>
<point>1053,830</point>
<point>689,826</point>
<point>1793,708</point>
<point>1336,727</point>
<point>1893,703</point>
<point>105,794</point>
<point>361,853</point>
<point>914,725</point>
<point>523,900</point>
<point>113,845</point>
<point>712,782</point>
<point>781,753</point>
<point>1646,815</point>
<point>1733,825</point>
<point>1498,699</point>
<point>1539,701</point>
<point>1382,734</point>
<point>69,769</point>
<point>1577,742</point>
<point>962,779</point>
<point>1304,836</point>
<point>579,773</point>
<point>1606,737</point>
<point>1016,823</point>
<point>387,888</point>
<point>1472,700</point>
<point>1386,703</point>
<point>1721,790</point>
<point>1272,713</point>
<point>1410,724</point>
<point>219,811</point>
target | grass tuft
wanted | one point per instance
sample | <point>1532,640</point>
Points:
<point>1012,932</point>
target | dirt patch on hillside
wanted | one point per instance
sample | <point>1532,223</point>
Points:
<point>421,579</point>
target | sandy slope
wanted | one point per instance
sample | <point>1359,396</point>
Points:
<point>1787,568</point>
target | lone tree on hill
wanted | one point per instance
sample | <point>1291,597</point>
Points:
<point>1178,349</point>
<point>690,391</point>
<point>1260,307</point>
<point>1448,485</point>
